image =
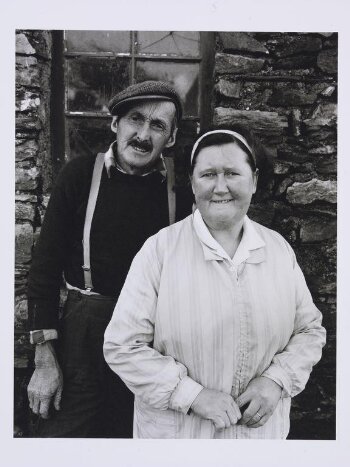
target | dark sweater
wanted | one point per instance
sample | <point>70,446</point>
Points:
<point>129,209</point>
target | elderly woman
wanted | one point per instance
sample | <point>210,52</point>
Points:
<point>215,329</point>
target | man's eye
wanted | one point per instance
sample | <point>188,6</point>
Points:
<point>208,175</point>
<point>230,174</point>
<point>158,126</point>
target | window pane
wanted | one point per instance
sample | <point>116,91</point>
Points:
<point>183,76</point>
<point>93,81</point>
<point>88,135</point>
<point>98,41</point>
<point>168,42</point>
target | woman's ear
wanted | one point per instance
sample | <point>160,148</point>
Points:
<point>255,179</point>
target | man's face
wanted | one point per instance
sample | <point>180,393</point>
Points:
<point>142,134</point>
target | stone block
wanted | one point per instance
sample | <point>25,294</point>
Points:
<point>282,167</point>
<point>23,242</point>
<point>26,124</point>
<point>229,89</point>
<point>286,96</point>
<point>262,213</point>
<point>29,101</point>
<point>327,61</point>
<point>26,198</point>
<point>288,228</point>
<point>295,62</point>
<point>327,165</point>
<point>27,179</point>
<point>234,64</point>
<point>261,122</point>
<point>324,149</point>
<point>313,190</point>
<point>26,150</point>
<point>282,187</point>
<point>23,46</point>
<point>292,45</point>
<point>21,312</point>
<point>24,212</point>
<point>295,122</point>
<point>27,71</point>
<point>241,41</point>
<point>317,230</point>
<point>325,115</point>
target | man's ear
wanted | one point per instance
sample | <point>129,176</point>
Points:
<point>172,138</point>
<point>114,124</point>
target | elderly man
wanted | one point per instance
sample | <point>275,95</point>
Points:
<point>101,211</point>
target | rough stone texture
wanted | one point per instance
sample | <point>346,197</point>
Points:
<point>33,161</point>
<point>286,97</point>
<point>23,46</point>
<point>323,116</point>
<point>30,101</point>
<point>228,89</point>
<point>26,149</point>
<point>324,149</point>
<point>292,45</point>
<point>241,41</point>
<point>258,121</point>
<point>27,179</point>
<point>21,312</point>
<point>327,61</point>
<point>24,212</point>
<point>314,190</point>
<point>317,230</point>
<point>23,242</point>
<point>27,71</point>
<point>234,64</point>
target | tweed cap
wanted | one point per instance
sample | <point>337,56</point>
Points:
<point>146,90</point>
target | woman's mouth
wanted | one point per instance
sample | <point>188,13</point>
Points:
<point>221,201</point>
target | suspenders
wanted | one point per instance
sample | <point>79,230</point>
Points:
<point>94,188</point>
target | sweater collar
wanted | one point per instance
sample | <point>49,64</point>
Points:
<point>110,161</point>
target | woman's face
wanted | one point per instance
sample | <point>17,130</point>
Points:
<point>223,184</point>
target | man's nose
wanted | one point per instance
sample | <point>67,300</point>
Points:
<point>143,132</point>
<point>220,184</point>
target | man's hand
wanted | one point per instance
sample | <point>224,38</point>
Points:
<point>262,395</point>
<point>46,383</point>
<point>218,407</point>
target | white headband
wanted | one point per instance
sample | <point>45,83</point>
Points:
<point>227,132</point>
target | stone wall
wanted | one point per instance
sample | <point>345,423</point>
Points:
<point>284,86</point>
<point>33,181</point>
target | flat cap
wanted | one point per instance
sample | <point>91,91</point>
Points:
<point>146,90</point>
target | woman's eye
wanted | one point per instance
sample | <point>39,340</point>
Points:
<point>230,174</point>
<point>209,175</point>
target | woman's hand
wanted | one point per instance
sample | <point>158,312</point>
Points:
<point>218,407</point>
<point>262,396</point>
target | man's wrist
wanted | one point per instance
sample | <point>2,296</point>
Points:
<point>42,335</point>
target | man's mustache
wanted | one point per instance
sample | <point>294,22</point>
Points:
<point>145,145</point>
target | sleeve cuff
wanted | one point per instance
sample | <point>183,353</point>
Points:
<point>185,393</point>
<point>43,335</point>
<point>279,376</point>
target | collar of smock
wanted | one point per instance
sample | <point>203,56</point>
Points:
<point>110,161</point>
<point>250,249</point>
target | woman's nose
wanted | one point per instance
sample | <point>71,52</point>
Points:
<point>220,184</point>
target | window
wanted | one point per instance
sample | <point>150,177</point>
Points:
<point>98,64</point>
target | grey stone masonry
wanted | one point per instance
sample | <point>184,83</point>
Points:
<point>284,87</point>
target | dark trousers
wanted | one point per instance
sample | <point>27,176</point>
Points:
<point>95,402</point>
